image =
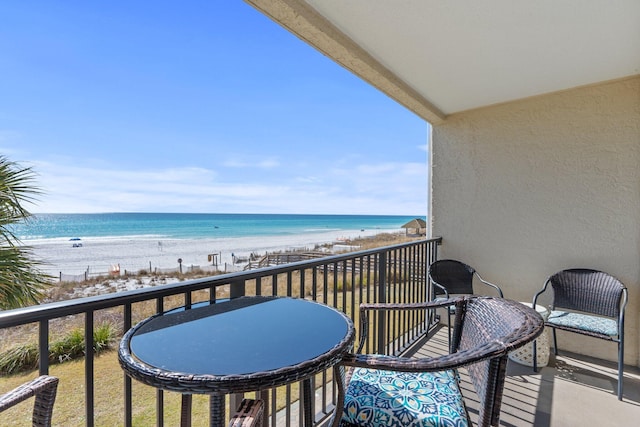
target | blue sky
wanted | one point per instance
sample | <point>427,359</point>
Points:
<point>196,106</point>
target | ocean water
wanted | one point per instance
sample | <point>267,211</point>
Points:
<point>195,226</point>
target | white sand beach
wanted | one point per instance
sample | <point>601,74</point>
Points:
<point>99,255</point>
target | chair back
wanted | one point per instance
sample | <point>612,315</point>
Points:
<point>454,276</point>
<point>44,389</point>
<point>587,290</point>
<point>486,321</point>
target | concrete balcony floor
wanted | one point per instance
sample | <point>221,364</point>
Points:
<point>573,390</point>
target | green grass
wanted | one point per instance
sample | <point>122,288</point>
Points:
<point>109,397</point>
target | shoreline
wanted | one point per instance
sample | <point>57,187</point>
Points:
<point>100,254</point>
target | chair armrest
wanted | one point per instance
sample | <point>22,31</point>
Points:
<point>440,363</point>
<point>458,302</point>
<point>442,288</point>
<point>496,287</point>
<point>411,306</point>
<point>540,292</point>
<point>44,389</point>
<point>623,306</point>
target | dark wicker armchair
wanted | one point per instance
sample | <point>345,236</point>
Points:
<point>249,414</point>
<point>386,390</point>
<point>44,390</point>
<point>451,277</point>
<point>587,302</point>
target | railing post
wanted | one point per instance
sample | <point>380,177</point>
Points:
<point>237,289</point>
<point>43,346</point>
<point>234,401</point>
<point>128,405</point>
<point>382,298</point>
<point>88,367</point>
<point>431,256</point>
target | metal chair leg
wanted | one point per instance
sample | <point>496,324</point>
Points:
<point>449,329</point>
<point>620,367</point>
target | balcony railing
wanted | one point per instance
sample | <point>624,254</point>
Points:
<point>395,273</point>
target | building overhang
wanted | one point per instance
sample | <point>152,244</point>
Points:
<point>441,58</point>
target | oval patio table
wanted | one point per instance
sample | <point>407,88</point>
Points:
<point>236,346</point>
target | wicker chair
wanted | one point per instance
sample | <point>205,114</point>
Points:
<point>387,390</point>
<point>249,414</point>
<point>451,277</point>
<point>587,302</point>
<point>44,389</point>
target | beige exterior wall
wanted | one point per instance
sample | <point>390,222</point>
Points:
<point>522,190</point>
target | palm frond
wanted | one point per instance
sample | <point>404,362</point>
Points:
<point>21,283</point>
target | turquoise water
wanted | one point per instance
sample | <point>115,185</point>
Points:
<point>196,226</point>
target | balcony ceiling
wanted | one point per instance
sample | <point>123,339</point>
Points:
<point>442,57</point>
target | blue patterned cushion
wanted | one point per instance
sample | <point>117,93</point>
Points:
<point>585,322</point>
<point>400,399</point>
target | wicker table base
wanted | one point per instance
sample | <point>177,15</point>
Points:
<point>524,355</point>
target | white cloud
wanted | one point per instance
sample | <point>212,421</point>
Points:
<point>388,188</point>
<point>267,163</point>
<point>308,179</point>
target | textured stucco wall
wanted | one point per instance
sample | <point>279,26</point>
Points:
<point>525,189</point>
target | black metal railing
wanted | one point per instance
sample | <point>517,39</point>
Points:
<point>395,273</point>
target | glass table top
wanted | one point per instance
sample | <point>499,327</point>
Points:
<point>240,336</point>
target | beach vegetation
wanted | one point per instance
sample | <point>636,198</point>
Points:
<point>20,358</point>
<point>24,357</point>
<point>343,285</point>
<point>21,282</point>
